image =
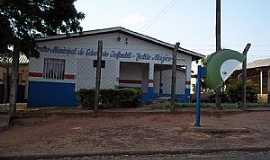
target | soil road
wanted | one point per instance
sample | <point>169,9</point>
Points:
<point>133,132</point>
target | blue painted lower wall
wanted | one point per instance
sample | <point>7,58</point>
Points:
<point>47,94</point>
<point>149,96</point>
<point>188,95</point>
<point>181,98</point>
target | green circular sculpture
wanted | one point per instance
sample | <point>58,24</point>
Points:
<point>220,66</point>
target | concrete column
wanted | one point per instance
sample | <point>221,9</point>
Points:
<point>149,96</point>
<point>117,74</point>
<point>151,75</point>
<point>160,83</point>
<point>188,82</point>
<point>268,81</point>
<point>261,81</point>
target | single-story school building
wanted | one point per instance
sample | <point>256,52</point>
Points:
<point>258,72</point>
<point>67,64</point>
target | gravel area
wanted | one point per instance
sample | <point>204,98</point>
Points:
<point>132,132</point>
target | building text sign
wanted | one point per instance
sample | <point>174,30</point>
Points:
<point>109,54</point>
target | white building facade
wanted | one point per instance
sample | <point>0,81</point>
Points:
<point>67,64</point>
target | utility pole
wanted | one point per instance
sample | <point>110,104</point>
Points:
<point>244,75</point>
<point>173,86</point>
<point>98,74</point>
<point>218,25</point>
<point>218,46</point>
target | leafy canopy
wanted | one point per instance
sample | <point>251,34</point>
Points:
<point>21,21</point>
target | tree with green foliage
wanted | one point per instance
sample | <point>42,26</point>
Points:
<point>22,21</point>
<point>234,89</point>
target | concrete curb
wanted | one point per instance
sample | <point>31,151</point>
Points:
<point>4,122</point>
<point>46,113</point>
<point>220,130</point>
<point>119,113</point>
<point>257,110</point>
<point>134,153</point>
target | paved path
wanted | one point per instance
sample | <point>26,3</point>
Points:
<point>212,156</point>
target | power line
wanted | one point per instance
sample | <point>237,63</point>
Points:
<point>162,12</point>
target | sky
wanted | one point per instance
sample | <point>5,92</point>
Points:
<point>190,22</point>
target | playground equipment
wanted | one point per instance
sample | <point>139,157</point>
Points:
<point>218,68</point>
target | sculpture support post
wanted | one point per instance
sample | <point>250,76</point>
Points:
<point>198,98</point>
<point>201,73</point>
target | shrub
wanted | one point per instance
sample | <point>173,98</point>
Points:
<point>126,97</point>
<point>232,94</point>
<point>86,97</point>
<point>234,91</point>
<point>209,97</point>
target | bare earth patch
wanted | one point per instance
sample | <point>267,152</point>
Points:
<point>134,132</point>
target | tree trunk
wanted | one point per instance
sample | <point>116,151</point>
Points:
<point>244,76</point>
<point>173,84</point>
<point>218,97</point>
<point>98,74</point>
<point>6,85</point>
<point>14,83</point>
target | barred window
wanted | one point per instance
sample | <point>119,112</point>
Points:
<point>54,68</point>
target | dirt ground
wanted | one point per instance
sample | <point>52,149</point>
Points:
<point>132,132</point>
